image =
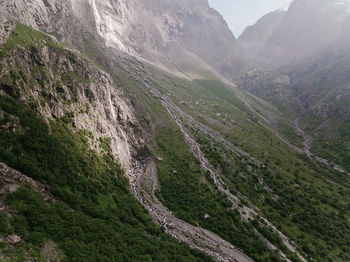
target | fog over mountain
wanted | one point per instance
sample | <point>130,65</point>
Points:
<point>305,43</point>
<point>307,29</point>
<point>306,54</point>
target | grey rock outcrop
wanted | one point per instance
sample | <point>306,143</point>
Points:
<point>165,32</point>
<point>65,84</point>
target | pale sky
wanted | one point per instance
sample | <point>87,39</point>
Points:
<point>241,13</point>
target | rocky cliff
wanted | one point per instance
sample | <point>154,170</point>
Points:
<point>312,57</point>
<point>64,84</point>
<point>167,32</point>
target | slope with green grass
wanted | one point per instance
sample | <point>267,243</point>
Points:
<point>289,189</point>
<point>236,135</point>
<point>94,217</point>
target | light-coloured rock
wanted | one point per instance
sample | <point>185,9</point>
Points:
<point>13,239</point>
<point>167,33</point>
<point>88,92</point>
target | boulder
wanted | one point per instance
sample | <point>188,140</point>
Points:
<point>13,239</point>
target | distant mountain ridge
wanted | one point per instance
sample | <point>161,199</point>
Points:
<point>310,45</point>
<point>307,29</point>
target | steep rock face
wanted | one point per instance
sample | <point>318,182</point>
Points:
<point>155,30</point>
<point>254,37</point>
<point>326,90</point>
<point>316,58</point>
<point>54,17</point>
<point>165,32</point>
<point>321,22</point>
<point>69,86</point>
<point>259,78</point>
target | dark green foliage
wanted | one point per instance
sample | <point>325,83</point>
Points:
<point>95,217</point>
<point>322,216</point>
<point>304,189</point>
<point>190,194</point>
<point>119,233</point>
<point>335,147</point>
<point>105,143</point>
<point>5,228</point>
<point>28,38</point>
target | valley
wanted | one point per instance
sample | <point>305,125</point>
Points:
<point>130,133</point>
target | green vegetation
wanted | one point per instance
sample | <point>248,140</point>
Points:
<point>190,194</point>
<point>291,191</point>
<point>95,217</point>
<point>184,187</point>
<point>216,87</point>
<point>305,200</point>
<point>5,228</point>
<point>26,37</point>
<point>19,253</point>
<point>333,142</point>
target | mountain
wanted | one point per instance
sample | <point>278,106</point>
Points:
<point>123,138</point>
<point>323,26</point>
<point>170,34</point>
<point>315,59</point>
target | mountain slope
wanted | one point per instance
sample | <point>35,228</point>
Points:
<point>202,155</point>
<point>64,123</point>
<point>254,37</point>
<point>263,28</point>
